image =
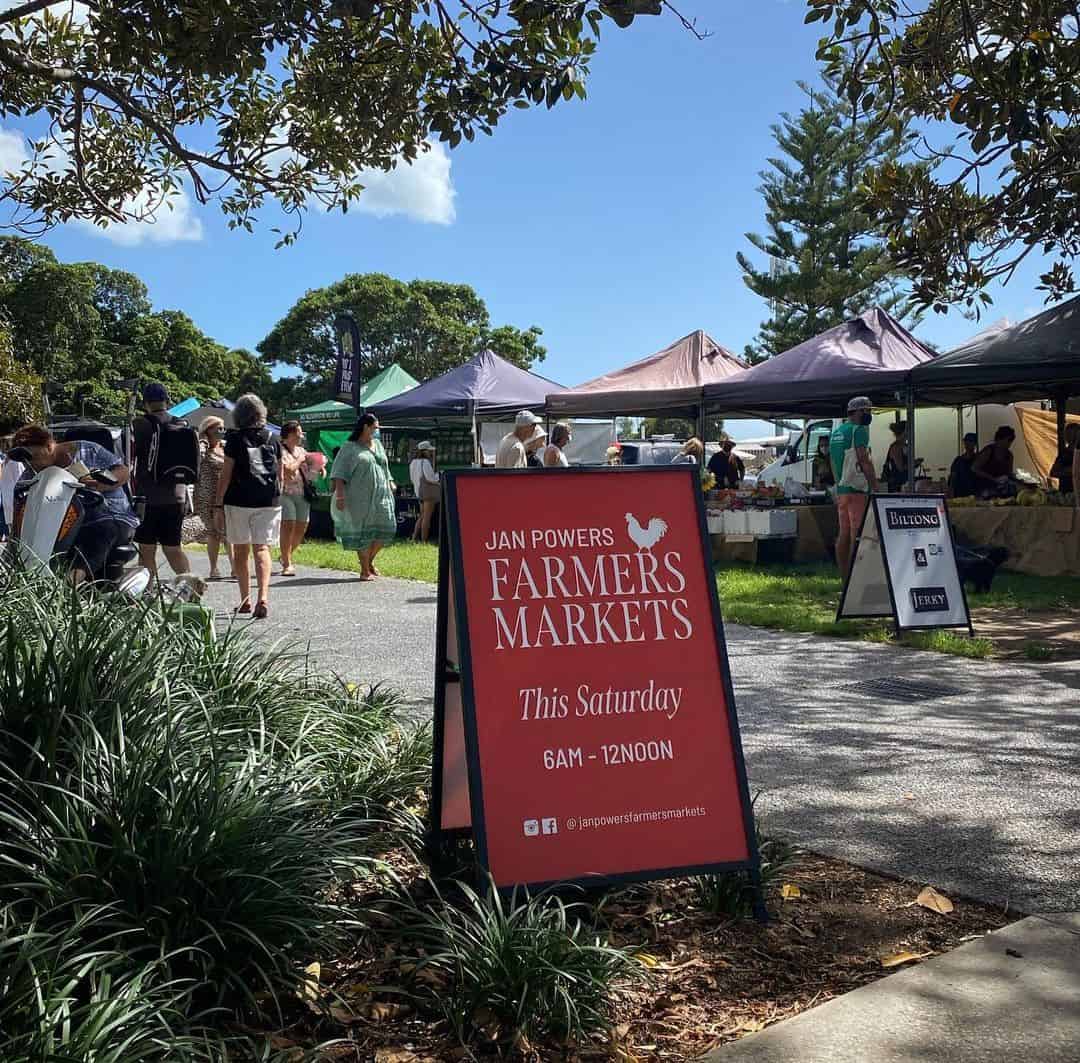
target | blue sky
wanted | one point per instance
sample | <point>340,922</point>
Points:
<point>612,223</point>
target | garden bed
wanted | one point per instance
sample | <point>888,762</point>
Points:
<point>706,978</point>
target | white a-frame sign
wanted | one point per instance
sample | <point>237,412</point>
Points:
<point>905,566</point>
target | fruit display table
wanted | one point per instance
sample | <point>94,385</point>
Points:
<point>1041,540</point>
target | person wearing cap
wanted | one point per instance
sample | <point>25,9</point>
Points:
<point>535,446</point>
<point>166,503</point>
<point>849,452</point>
<point>425,482</point>
<point>511,453</point>
<point>962,483</point>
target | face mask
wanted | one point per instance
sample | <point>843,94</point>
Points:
<point>868,417</point>
<point>375,434</point>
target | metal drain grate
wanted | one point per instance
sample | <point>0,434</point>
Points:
<point>901,688</point>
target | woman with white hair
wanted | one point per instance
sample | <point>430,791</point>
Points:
<point>425,481</point>
<point>211,462</point>
<point>250,492</point>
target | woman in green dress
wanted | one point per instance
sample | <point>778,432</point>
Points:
<point>363,509</point>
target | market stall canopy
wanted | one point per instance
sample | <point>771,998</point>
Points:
<point>195,411</point>
<point>484,385</point>
<point>872,354</point>
<point>393,380</point>
<point>323,414</point>
<point>1034,359</point>
<point>669,381</point>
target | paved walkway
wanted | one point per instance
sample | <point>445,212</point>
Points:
<point>1012,995</point>
<point>977,792</point>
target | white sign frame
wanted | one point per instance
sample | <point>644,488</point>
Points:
<point>889,558</point>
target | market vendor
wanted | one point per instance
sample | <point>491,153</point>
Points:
<point>1062,469</point>
<point>823,477</point>
<point>962,482</point>
<point>993,465</point>
<point>727,466</point>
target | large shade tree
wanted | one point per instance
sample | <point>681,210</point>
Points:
<point>84,328</point>
<point>270,100</point>
<point>995,84</point>
<point>425,326</point>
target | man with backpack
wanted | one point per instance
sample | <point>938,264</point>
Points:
<point>166,462</point>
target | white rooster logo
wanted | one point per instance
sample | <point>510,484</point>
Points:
<point>645,538</point>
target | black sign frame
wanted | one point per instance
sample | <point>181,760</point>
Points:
<point>450,550</point>
<point>947,528</point>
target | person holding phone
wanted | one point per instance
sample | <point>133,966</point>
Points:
<point>104,527</point>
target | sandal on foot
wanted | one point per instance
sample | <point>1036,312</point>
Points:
<point>262,611</point>
<point>244,606</point>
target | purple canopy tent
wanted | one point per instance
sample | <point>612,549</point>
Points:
<point>872,354</point>
<point>669,381</point>
<point>485,385</point>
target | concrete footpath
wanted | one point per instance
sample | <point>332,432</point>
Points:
<point>973,787</point>
<point>1013,995</point>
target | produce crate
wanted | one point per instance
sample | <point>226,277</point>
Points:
<point>772,523</point>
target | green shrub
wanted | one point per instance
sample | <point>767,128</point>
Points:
<point>177,813</point>
<point>526,966</point>
<point>732,893</point>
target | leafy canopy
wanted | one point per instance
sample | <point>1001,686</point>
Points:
<point>996,176</point>
<point>428,327</point>
<point>824,263</point>
<point>277,100</point>
<point>83,328</point>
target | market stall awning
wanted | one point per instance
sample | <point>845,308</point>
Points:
<point>1035,359</point>
<point>669,381</point>
<point>329,413</point>
<point>872,354</point>
<point>393,380</point>
<point>484,385</point>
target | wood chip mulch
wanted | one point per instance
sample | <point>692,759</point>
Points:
<point>710,979</point>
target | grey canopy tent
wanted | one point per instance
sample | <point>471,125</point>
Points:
<point>485,386</point>
<point>1035,359</point>
<point>872,354</point>
<point>669,381</point>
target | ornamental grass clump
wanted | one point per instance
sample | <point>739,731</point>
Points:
<point>178,814</point>
<point>519,968</point>
<point>732,893</point>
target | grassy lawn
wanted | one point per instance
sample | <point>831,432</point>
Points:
<point>403,560</point>
<point>781,597</point>
<point>805,597</point>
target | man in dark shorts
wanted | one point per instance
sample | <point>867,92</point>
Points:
<point>166,503</point>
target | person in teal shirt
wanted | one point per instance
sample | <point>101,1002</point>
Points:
<point>849,453</point>
<point>363,509</point>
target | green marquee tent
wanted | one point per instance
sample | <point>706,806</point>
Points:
<point>393,380</point>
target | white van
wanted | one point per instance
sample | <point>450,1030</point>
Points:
<point>939,433</point>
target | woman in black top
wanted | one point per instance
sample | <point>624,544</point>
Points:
<point>250,491</point>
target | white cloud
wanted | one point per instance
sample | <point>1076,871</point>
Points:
<point>12,150</point>
<point>175,225</point>
<point>422,190</point>
<point>169,226</point>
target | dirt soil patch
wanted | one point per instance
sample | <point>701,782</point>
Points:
<point>710,979</point>
<point>1032,635</point>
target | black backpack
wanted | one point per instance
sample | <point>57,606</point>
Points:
<point>173,454</point>
<point>262,455</point>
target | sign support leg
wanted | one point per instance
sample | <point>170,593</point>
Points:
<point>761,913</point>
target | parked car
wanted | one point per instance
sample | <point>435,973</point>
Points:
<point>650,451</point>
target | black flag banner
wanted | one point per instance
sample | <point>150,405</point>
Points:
<point>347,375</point>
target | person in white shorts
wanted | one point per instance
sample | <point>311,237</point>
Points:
<point>250,490</point>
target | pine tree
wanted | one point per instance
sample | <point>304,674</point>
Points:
<point>825,264</point>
